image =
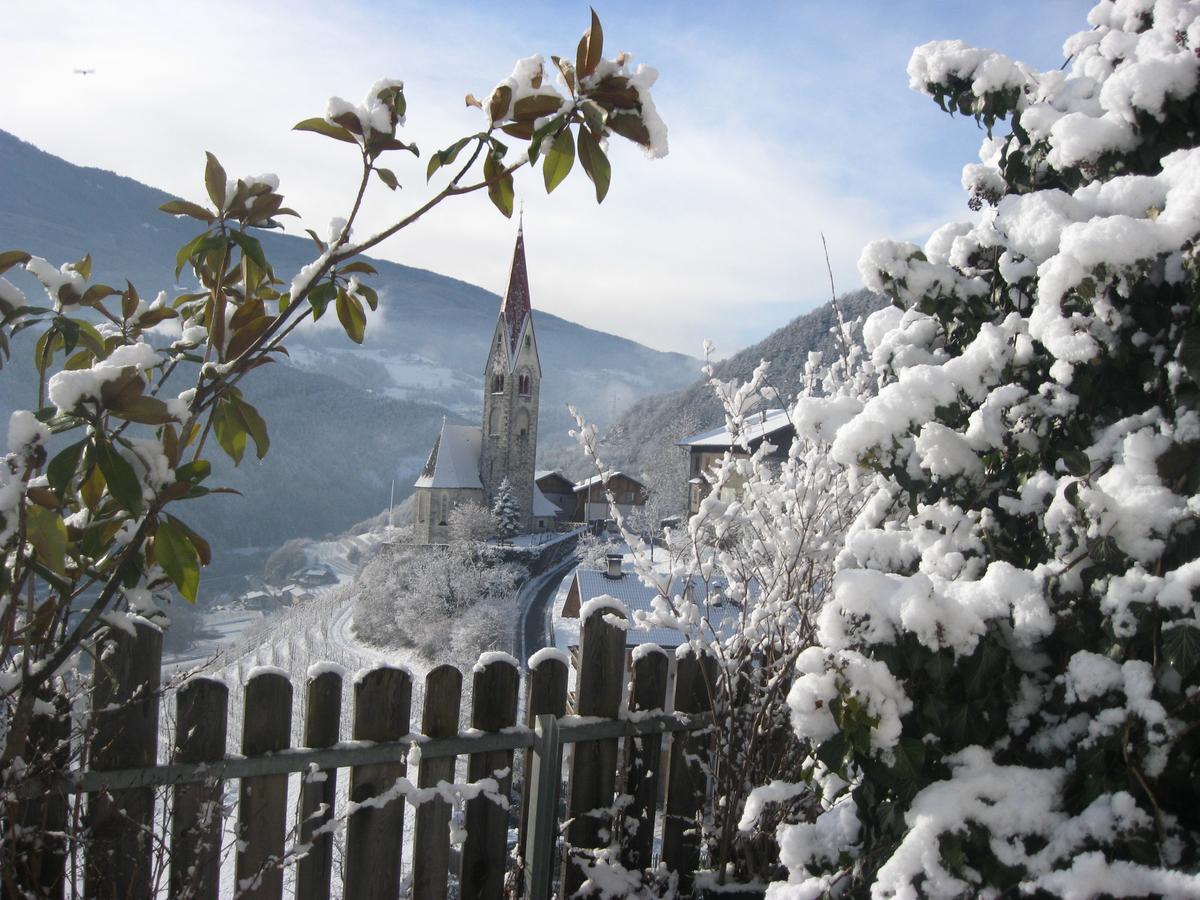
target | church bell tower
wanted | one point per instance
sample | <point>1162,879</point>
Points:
<point>511,383</point>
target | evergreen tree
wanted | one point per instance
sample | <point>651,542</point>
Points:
<point>506,510</point>
<point>1002,699</point>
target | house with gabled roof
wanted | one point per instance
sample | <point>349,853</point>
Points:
<point>708,448</point>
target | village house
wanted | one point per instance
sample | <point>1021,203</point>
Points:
<point>591,500</point>
<point>707,449</point>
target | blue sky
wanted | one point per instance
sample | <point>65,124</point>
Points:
<point>786,120</point>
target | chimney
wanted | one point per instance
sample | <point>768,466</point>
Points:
<point>614,565</point>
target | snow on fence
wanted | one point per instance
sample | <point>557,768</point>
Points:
<point>615,750</point>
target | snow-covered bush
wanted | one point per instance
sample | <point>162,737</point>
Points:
<point>762,546</point>
<point>472,522</point>
<point>451,603</point>
<point>1003,693</point>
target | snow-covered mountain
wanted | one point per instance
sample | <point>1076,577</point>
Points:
<point>381,404</point>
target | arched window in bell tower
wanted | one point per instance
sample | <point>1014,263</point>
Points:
<point>494,421</point>
<point>498,383</point>
<point>523,422</point>
<point>524,383</point>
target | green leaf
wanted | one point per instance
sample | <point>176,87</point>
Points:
<point>320,126</point>
<point>252,248</point>
<point>319,297</point>
<point>44,528</point>
<point>215,181</point>
<point>1181,647</point>
<point>178,557</point>
<point>558,162</point>
<point>388,177</point>
<point>203,549</point>
<point>184,208</point>
<point>62,468</point>
<point>595,163</point>
<point>445,157</point>
<point>10,258</point>
<point>533,107</point>
<point>350,314</point>
<point>146,410</point>
<point>230,430</point>
<point>195,471</point>
<point>122,481</point>
<point>84,266</point>
<point>368,293</point>
<point>199,244</point>
<point>359,265</point>
<point>500,191</point>
<point>1077,462</point>
<point>255,425</point>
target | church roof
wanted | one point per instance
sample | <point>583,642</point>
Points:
<point>515,306</point>
<point>454,460</point>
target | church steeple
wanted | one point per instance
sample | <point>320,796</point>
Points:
<point>515,308</point>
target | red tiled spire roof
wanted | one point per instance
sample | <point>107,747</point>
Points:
<point>515,305</point>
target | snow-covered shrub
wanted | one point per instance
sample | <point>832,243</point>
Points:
<point>451,603</point>
<point>472,522</point>
<point>745,580</point>
<point>1004,687</point>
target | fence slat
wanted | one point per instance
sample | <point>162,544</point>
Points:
<point>262,804</point>
<point>485,851</point>
<point>431,843</point>
<point>594,763</point>
<point>686,783</point>
<point>643,758</point>
<point>543,774</point>
<point>374,835</point>
<point>201,709</point>
<point>41,853</point>
<point>546,694</point>
<point>322,721</point>
<point>125,735</point>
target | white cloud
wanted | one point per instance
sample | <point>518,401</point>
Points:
<point>720,239</point>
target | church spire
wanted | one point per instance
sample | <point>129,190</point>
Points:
<point>515,305</point>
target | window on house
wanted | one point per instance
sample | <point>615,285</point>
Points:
<point>497,384</point>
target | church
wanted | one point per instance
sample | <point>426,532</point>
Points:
<point>468,463</point>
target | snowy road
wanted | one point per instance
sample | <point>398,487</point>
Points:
<point>531,601</point>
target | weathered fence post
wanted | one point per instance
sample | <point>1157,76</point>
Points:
<point>41,851</point>
<point>125,736</point>
<point>431,843</point>
<point>686,780</point>
<point>318,790</point>
<point>594,763</point>
<point>542,775</point>
<point>201,708</point>
<point>643,755</point>
<point>545,694</point>
<point>262,804</point>
<point>485,851</point>
<point>374,836</point>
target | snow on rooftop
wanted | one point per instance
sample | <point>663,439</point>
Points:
<point>454,460</point>
<point>757,426</point>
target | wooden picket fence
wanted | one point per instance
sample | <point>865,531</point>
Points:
<point>610,751</point>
